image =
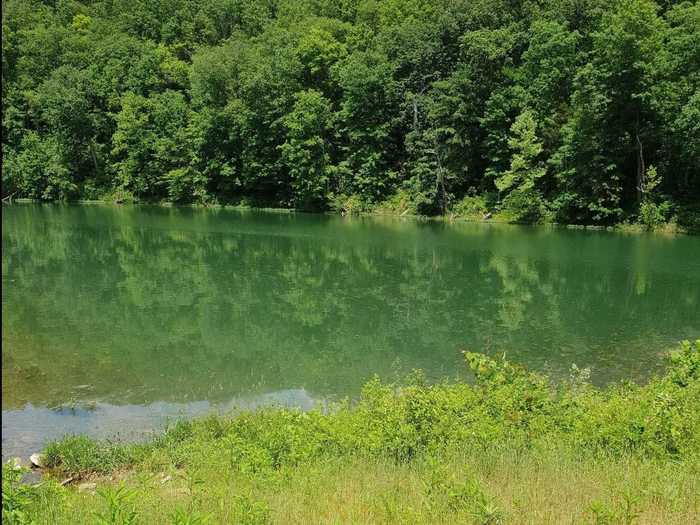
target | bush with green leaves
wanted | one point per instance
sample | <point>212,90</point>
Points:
<point>506,405</point>
<point>447,437</point>
<point>471,207</point>
<point>38,169</point>
<point>403,202</point>
<point>16,496</point>
<point>653,215</point>
<point>120,506</point>
<point>348,204</point>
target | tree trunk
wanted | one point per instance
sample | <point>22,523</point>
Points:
<point>641,169</point>
<point>415,113</point>
<point>440,177</point>
<point>94,157</point>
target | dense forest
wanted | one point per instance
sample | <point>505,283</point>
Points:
<point>580,111</point>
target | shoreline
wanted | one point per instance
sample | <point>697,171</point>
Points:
<point>500,450</point>
<point>668,229</point>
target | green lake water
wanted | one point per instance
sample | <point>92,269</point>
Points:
<point>115,319</point>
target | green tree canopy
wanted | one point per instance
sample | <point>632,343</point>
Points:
<point>299,103</point>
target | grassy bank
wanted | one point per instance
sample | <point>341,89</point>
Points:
<point>511,447</point>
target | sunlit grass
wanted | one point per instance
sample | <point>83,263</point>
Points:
<point>510,448</point>
<point>537,487</point>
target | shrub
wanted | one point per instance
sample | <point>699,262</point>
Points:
<point>402,202</point>
<point>119,196</point>
<point>688,218</point>
<point>185,185</point>
<point>348,204</point>
<point>506,406</point>
<point>525,206</point>
<point>471,207</point>
<point>120,507</point>
<point>652,215</point>
<point>16,496</point>
<point>38,170</point>
<point>685,364</point>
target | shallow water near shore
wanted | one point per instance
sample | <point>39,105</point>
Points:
<point>116,319</point>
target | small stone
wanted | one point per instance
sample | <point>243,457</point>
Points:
<point>37,460</point>
<point>87,487</point>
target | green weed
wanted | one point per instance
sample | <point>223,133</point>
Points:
<point>552,432</point>
<point>16,497</point>
<point>120,506</point>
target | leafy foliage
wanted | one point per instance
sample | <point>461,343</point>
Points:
<point>16,496</point>
<point>520,181</point>
<point>506,405</point>
<point>120,509</point>
<point>314,105</point>
<point>507,419</point>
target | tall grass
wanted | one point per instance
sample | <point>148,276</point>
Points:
<point>509,448</point>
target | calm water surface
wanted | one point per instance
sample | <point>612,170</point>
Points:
<point>115,319</point>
